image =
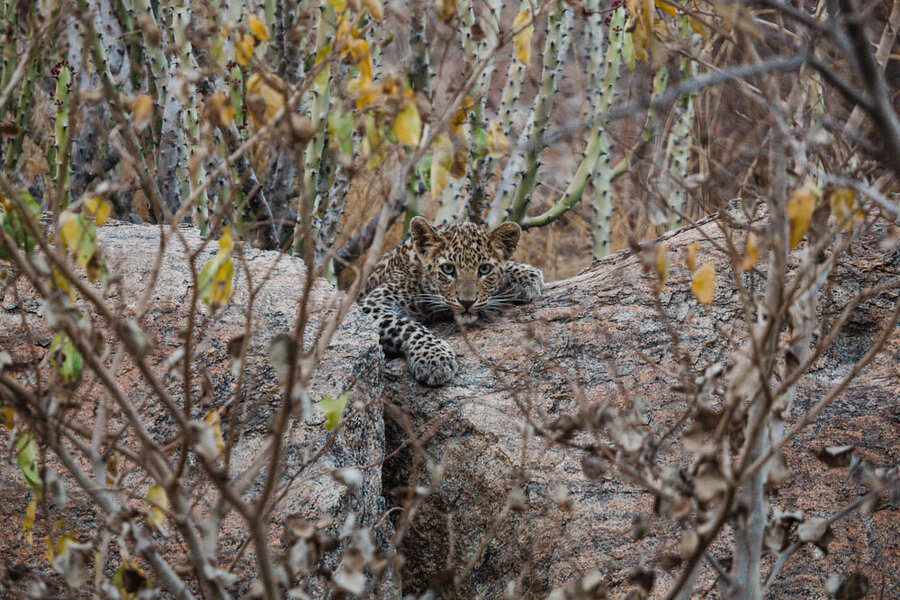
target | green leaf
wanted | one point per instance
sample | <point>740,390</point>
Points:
<point>66,357</point>
<point>479,142</point>
<point>13,222</point>
<point>27,461</point>
<point>423,170</point>
<point>340,128</point>
<point>334,410</point>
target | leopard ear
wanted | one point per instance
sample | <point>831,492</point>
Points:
<point>505,238</point>
<point>424,236</point>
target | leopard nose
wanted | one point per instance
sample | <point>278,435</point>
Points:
<point>467,304</point>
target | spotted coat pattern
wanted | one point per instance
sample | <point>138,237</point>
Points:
<point>460,272</point>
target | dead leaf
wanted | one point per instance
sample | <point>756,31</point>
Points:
<point>800,207</point>
<point>703,283</point>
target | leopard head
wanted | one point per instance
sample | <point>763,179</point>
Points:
<point>465,264</point>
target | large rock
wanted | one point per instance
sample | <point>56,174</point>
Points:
<point>352,364</point>
<point>596,338</point>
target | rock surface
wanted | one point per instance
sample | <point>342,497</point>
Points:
<point>599,331</point>
<point>353,364</point>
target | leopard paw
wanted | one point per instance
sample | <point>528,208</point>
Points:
<point>433,363</point>
<point>526,282</point>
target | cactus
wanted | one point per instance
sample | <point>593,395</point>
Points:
<point>520,174</point>
<point>479,163</point>
<point>9,20</point>
<point>195,171</point>
<point>596,162</point>
<point>159,64</point>
<point>58,160</point>
<point>679,143</point>
<point>124,11</point>
<point>319,101</point>
<point>513,87</point>
<point>23,113</point>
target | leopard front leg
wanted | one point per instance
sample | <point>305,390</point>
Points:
<point>524,282</point>
<point>431,360</point>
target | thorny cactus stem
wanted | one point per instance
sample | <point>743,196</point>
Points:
<point>604,172</point>
<point>23,113</point>
<point>679,146</point>
<point>235,80</point>
<point>63,73</point>
<point>101,63</point>
<point>194,152</point>
<point>596,162</point>
<point>321,101</point>
<point>159,64</point>
<point>9,19</point>
<point>478,165</point>
<point>520,174</point>
<point>124,11</point>
<point>515,74</point>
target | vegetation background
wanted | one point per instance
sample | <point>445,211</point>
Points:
<point>317,130</point>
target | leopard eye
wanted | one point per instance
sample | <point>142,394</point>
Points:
<point>448,269</point>
<point>484,269</point>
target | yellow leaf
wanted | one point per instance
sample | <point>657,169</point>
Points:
<point>460,160</point>
<point>522,40</point>
<point>48,541</point>
<point>263,100</point>
<point>666,6</point>
<point>703,283</point>
<point>375,8</point>
<point>408,125</point>
<point>366,92</point>
<point>157,503</point>
<point>7,417</point>
<point>221,284</point>
<point>214,419</point>
<point>243,50</point>
<point>28,522</point>
<point>219,110</point>
<point>129,579</point>
<point>459,119</point>
<point>441,161</point>
<point>751,253</point>
<point>70,230</point>
<point>78,235</point>
<point>497,142</point>
<point>323,53</point>
<point>691,258</point>
<point>99,208</point>
<point>258,29</point>
<point>64,541</point>
<point>641,25</point>
<point>698,27</point>
<point>226,242</point>
<point>112,469</point>
<point>662,265</point>
<point>841,201</point>
<point>365,67</point>
<point>141,111</point>
<point>446,9</point>
<point>800,208</point>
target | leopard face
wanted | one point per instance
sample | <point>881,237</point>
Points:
<point>464,265</point>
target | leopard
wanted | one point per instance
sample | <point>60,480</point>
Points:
<point>462,272</point>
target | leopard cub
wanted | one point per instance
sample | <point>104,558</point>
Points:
<point>462,272</point>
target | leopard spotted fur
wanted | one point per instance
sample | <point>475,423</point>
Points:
<point>462,272</point>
